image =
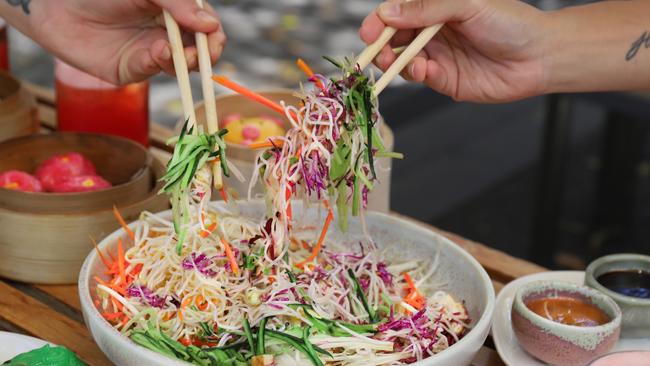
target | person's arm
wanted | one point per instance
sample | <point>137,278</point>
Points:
<point>502,50</point>
<point>600,46</point>
<point>16,13</point>
<point>121,41</point>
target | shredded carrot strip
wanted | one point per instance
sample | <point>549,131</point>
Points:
<point>205,233</point>
<point>223,193</point>
<point>112,316</point>
<point>113,269</point>
<point>266,144</point>
<point>248,93</point>
<point>101,255</point>
<point>310,74</point>
<point>111,257</point>
<point>321,239</point>
<point>102,282</point>
<point>186,302</point>
<point>200,302</point>
<point>180,315</point>
<point>124,321</point>
<point>113,287</point>
<point>136,271</point>
<point>231,256</point>
<point>409,281</point>
<point>272,279</point>
<point>123,223</point>
<point>413,296</point>
<point>287,196</point>
<point>121,261</point>
<point>118,305</point>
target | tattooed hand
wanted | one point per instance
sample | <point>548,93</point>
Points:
<point>642,42</point>
<point>23,3</point>
<point>487,52</point>
<point>121,41</point>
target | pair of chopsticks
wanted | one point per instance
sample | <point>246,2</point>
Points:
<point>369,54</point>
<point>183,77</point>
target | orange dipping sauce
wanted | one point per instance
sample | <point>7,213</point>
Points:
<point>569,311</point>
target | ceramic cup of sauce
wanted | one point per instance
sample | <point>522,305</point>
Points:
<point>564,324</point>
<point>626,279</point>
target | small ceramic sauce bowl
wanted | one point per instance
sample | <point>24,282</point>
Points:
<point>560,344</point>
<point>636,311</point>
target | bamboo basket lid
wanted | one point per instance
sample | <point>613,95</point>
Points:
<point>18,112</point>
<point>126,164</point>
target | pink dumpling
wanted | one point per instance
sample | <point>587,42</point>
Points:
<point>82,183</point>
<point>61,167</point>
<point>20,181</point>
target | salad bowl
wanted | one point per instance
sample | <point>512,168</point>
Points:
<point>458,273</point>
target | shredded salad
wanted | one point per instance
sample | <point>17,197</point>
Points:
<point>213,287</point>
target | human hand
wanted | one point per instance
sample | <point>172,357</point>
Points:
<point>488,51</point>
<point>123,41</point>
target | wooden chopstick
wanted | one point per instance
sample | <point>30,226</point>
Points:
<point>369,54</point>
<point>409,53</point>
<point>406,55</point>
<point>183,77</point>
<point>180,65</point>
<point>205,69</point>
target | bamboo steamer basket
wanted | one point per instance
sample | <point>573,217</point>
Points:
<point>244,157</point>
<point>124,163</point>
<point>18,112</point>
<point>46,245</point>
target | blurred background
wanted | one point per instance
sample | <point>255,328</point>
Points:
<point>558,179</point>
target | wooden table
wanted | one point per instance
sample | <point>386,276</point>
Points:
<point>53,313</point>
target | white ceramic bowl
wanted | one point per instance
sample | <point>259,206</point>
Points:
<point>458,272</point>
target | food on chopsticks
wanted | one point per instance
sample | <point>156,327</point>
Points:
<point>250,130</point>
<point>46,356</point>
<point>20,181</point>
<point>331,149</point>
<point>64,173</point>
<point>188,180</point>
<point>213,287</point>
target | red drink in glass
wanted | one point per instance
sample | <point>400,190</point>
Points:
<point>4,46</point>
<point>88,104</point>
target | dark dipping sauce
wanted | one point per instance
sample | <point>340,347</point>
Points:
<point>569,311</point>
<point>634,283</point>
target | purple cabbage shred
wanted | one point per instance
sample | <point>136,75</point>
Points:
<point>147,296</point>
<point>199,262</point>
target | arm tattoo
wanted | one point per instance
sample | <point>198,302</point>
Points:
<point>23,3</point>
<point>643,41</point>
